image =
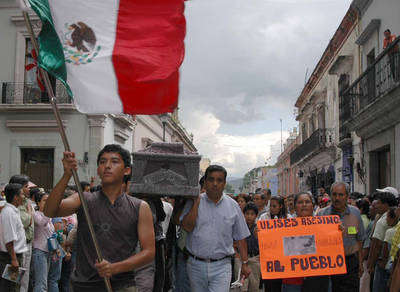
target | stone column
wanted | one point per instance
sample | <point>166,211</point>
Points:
<point>96,141</point>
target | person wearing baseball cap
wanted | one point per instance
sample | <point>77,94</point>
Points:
<point>391,190</point>
<point>31,185</point>
<point>384,201</point>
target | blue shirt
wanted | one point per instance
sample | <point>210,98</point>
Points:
<point>353,227</point>
<point>217,226</point>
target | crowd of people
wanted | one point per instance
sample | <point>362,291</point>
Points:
<point>40,234</point>
<point>371,248</point>
<point>207,243</point>
<point>50,266</point>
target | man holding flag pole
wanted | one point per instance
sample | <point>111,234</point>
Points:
<point>120,221</point>
<point>120,57</point>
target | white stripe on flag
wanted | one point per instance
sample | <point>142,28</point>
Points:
<point>93,82</point>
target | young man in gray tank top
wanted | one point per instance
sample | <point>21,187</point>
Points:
<point>119,220</point>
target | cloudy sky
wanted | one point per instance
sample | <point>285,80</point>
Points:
<point>245,66</point>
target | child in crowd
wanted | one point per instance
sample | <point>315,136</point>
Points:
<point>252,283</point>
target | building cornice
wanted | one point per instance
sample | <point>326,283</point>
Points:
<point>124,121</point>
<point>372,26</point>
<point>361,5</point>
<point>34,125</point>
<point>339,38</point>
<point>19,20</point>
<point>40,107</point>
<point>97,120</point>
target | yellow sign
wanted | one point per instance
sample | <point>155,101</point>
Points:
<point>351,230</point>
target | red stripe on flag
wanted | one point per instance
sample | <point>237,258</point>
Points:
<point>148,51</point>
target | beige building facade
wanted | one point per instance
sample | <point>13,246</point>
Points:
<point>320,157</point>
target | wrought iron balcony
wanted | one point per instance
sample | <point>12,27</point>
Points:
<point>27,93</point>
<point>379,79</point>
<point>314,143</point>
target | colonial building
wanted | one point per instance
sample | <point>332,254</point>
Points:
<point>318,157</point>
<point>261,177</point>
<point>288,174</point>
<point>29,138</point>
<point>371,102</point>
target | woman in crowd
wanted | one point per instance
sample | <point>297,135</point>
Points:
<point>41,256</point>
<point>277,208</point>
<point>363,206</point>
<point>242,200</point>
<point>304,206</point>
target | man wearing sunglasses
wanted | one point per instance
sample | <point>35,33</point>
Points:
<point>353,236</point>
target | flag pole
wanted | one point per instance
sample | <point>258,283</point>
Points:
<point>64,139</point>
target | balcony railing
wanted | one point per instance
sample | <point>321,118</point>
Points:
<point>314,143</point>
<point>27,93</point>
<point>380,78</point>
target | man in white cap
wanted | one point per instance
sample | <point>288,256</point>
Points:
<point>391,190</point>
<point>385,198</point>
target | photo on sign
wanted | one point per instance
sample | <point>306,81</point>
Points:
<point>299,245</point>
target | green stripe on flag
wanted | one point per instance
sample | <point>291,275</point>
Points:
<point>51,55</point>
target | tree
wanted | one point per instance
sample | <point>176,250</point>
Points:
<point>246,181</point>
<point>229,189</point>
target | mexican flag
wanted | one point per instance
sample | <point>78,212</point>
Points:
<point>120,56</point>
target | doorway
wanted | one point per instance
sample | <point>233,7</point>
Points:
<point>380,168</point>
<point>38,164</point>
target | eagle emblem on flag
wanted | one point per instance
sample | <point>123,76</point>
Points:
<point>120,57</point>
<point>79,43</point>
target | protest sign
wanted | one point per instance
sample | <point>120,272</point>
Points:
<point>301,247</point>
